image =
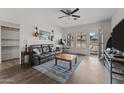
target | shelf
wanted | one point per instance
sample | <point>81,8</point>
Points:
<point>118,77</point>
<point>9,28</point>
<point>80,40</point>
<point>11,46</point>
<point>9,53</point>
<point>9,59</point>
<point>10,39</point>
<point>118,68</point>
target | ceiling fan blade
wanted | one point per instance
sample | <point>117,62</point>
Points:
<point>75,16</point>
<point>77,9</point>
<point>64,12</point>
<point>61,17</point>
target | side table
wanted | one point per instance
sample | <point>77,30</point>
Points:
<point>25,58</point>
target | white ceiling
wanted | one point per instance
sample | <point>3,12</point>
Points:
<point>50,15</point>
<point>88,15</point>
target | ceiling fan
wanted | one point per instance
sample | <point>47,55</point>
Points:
<point>69,13</point>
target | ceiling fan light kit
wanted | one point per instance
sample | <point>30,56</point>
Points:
<point>70,13</point>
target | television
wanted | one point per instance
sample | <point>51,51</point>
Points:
<point>118,36</point>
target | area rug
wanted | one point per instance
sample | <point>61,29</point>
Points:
<point>60,72</point>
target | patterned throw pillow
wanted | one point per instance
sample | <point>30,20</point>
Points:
<point>36,51</point>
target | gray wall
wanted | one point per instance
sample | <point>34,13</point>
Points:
<point>105,25</point>
<point>27,25</point>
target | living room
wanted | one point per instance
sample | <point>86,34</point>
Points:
<point>60,48</point>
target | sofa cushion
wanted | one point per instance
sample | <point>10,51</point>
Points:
<point>52,48</point>
<point>42,56</point>
<point>51,53</point>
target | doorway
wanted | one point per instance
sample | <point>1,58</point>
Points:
<point>94,44</point>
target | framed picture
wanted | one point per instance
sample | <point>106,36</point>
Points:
<point>44,35</point>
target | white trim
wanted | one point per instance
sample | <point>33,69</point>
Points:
<point>0,46</point>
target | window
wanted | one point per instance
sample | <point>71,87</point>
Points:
<point>93,35</point>
<point>81,40</point>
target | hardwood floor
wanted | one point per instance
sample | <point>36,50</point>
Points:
<point>90,71</point>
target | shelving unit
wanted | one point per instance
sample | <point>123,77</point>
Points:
<point>116,67</point>
<point>10,42</point>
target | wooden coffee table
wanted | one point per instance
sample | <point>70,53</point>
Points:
<point>67,58</point>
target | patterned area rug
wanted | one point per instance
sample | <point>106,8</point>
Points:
<point>60,72</point>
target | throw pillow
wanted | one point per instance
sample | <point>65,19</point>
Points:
<point>36,51</point>
<point>40,50</point>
